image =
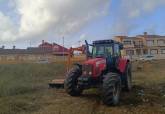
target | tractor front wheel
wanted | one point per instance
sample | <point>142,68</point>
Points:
<point>111,89</point>
<point>71,82</point>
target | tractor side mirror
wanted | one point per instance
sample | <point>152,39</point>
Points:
<point>89,55</point>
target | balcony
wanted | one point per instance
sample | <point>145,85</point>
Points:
<point>161,43</point>
<point>129,46</point>
<point>138,46</point>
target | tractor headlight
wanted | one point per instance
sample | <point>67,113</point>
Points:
<point>87,70</point>
<point>84,73</point>
<point>90,73</point>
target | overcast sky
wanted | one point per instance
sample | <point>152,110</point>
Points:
<point>28,22</point>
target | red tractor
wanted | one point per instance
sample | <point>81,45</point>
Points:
<point>105,69</point>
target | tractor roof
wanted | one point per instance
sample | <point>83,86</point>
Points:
<point>105,42</point>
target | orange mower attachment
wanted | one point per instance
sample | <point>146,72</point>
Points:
<point>59,83</point>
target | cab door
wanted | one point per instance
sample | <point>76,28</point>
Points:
<point>109,56</point>
<point>117,54</point>
<point>112,56</point>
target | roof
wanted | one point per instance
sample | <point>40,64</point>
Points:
<point>104,42</point>
<point>44,48</point>
<point>54,46</point>
<point>24,51</point>
<point>139,36</point>
<point>62,48</point>
<point>151,36</point>
<point>45,44</point>
<point>131,38</point>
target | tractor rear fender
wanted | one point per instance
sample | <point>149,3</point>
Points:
<point>122,64</point>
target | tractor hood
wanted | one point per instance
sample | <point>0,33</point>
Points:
<point>95,61</point>
<point>98,65</point>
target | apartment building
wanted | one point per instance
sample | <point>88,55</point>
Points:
<point>143,45</point>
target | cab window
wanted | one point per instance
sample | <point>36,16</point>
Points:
<point>98,51</point>
<point>116,50</point>
<point>109,51</point>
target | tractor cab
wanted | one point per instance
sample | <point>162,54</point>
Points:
<point>107,49</point>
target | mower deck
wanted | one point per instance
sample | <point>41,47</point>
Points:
<point>57,83</point>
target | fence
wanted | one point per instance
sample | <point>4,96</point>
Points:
<point>18,59</point>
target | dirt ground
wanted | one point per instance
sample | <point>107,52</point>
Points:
<point>147,96</point>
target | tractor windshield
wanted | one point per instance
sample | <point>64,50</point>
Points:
<point>102,51</point>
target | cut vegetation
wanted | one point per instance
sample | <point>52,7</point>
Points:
<point>24,90</point>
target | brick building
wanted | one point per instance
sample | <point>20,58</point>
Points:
<point>55,48</point>
<point>45,51</point>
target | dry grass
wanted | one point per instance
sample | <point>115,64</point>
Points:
<point>24,90</point>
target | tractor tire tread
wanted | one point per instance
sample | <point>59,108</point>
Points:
<point>108,87</point>
<point>69,83</point>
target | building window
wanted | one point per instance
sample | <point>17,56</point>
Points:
<point>138,52</point>
<point>138,44</point>
<point>145,51</point>
<point>154,51</point>
<point>130,52</point>
<point>162,51</point>
<point>127,42</point>
<point>161,42</point>
<point>150,42</point>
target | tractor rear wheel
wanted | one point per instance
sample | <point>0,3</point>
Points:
<point>128,78</point>
<point>111,89</point>
<point>71,82</point>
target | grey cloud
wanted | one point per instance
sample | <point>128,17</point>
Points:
<point>56,17</point>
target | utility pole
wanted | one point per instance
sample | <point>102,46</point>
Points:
<point>30,43</point>
<point>63,47</point>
